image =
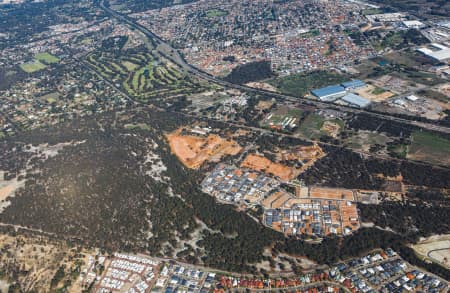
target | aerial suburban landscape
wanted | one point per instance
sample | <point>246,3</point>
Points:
<point>224,146</point>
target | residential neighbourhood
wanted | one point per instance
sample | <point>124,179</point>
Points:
<point>203,146</point>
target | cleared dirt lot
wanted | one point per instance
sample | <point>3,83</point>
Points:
<point>331,193</point>
<point>371,93</point>
<point>193,151</point>
<point>7,189</point>
<point>260,163</point>
<point>435,248</point>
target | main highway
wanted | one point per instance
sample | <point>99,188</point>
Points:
<point>174,56</point>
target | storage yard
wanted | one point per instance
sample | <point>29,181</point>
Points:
<point>419,106</point>
<point>283,118</point>
<point>194,150</point>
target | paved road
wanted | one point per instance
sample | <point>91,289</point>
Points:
<point>300,287</point>
<point>174,56</point>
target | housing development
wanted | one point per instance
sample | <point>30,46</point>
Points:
<point>197,146</point>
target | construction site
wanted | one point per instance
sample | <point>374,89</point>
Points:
<point>300,159</point>
<point>194,147</point>
<point>313,211</point>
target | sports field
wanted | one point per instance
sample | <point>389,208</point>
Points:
<point>47,58</point>
<point>215,13</point>
<point>31,67</point>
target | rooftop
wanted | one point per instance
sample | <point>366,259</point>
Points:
<point>356,83</point>
<point>328,91</point>
<point>356,100</point>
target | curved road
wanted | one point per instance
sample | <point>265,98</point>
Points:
<point>174,56</point>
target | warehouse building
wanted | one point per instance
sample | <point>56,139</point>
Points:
<point>329,93</point>
<point>438,52</point>
<point>353,84</point>
<point>355,100</point>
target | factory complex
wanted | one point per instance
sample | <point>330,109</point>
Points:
<point>343,94</point>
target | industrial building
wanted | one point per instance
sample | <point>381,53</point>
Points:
<point>353,84</point>
<point>329,93</point>
<point>355,100</point>
<point>413,24</point>
<point>438,52</point>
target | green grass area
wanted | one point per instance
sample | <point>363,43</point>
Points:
<point>339,122</point>
<point>87,41</point>
<point>31,67</point>
<point>399,40</point>
<point>300,84</point>
<point>362,140</point>
<point>142,126</point>
<point>408,59</point>
<point>378,91</point>
<point>401,150</point>
<point>429,147</point>
<point>391,40</point>
<point>47,58</point>
<point>142,75</point>
<point>311,33</point>
<point>216,13</point>
<point>311,126</point>
<point>129,65</point>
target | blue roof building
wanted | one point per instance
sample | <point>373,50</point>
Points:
<point>356,100</point>
<point>329,93</point>
<point>353,84</point>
